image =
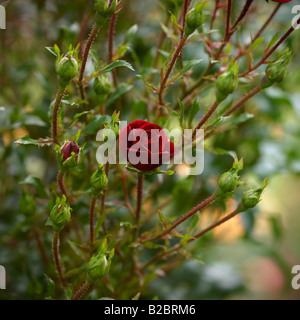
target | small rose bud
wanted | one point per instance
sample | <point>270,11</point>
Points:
<point>194,18</point>
<point>229,180</point>
<point>69,149</point>
<point>276,70</point>
<point>60,215</point>
<point>251,198</point>
<point>101,85</point>
<point>227,82</point>
<point>104,10</point>
<point>98,266</point>
<point>67,69</point>
<point>98,181</point>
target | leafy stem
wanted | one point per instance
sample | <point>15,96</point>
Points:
<point>55,249</point>
<point>59,96</point>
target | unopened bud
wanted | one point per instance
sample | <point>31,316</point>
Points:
<point>70,153</point>
<point>101,85</point>
<point>67,69</point>
<point>98,181</point>
<point>105,9</point>
<point>194,18</point>
<point>98,266</point>
<point>229,180</point>
<point>60,215</point>
<point>276,70</point>
<point>251,198</point>
<point>227,82</point>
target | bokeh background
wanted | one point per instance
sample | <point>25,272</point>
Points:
<point>249,257</point>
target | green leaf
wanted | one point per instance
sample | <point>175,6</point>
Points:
<point>242,118</point>
<point>120,91</point>
<point>130,33</point>
<point>195,108</point>
<point>26,140</point>
<point>76,117</point>
<point>116,64</point>
<point>273,40</point>
<point>96,123</point>
<point>50,287</point>
<point>256,43</point>
<point>52,51</point>
<point>162,219</point>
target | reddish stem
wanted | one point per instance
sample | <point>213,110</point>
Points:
<point>59,96</point>
<point>92,215</point>
<point>61,183</point>
<point>81,291</point>
<point>55,249</point>
<point>183,218</point>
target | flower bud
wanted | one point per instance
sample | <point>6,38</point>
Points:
<point>276,70</point>
<point>67,69</point>
<point>229,180</point>
<point>251,198</point>
<point>101,85</point>
<point>227,82</point>
<point>70,153</point>
<point>104,10</point>
<point>98,181</point>
<point>98,266</point>
<point>60,215</point>
<point>194,18</point>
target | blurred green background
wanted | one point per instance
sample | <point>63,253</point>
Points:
<point>249,257</point>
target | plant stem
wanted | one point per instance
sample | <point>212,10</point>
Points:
<point>60,94</point>
<point>183,218</point>
<point>228,22</point>
<point>87,48</point>
<point>92,215</point>
<point>243,100</point>
<point>55,249</point>
<point>140,188</point>
<point>161,254</point>
<point>260,31</point>
<point>81,291</point>
<point>213,18</point>
<point>208,114</point>
<point>103,199</point>
<point>270,51</point>
<point>61,183</point>
<point>169,70</point>
<point>242,14</point>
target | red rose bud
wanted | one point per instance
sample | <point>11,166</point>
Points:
<point>194,18</point>
<point>67,69</point>
<point>68,149</point>
<point>145,145</point>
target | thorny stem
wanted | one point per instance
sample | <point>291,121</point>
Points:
<point>139,187</point>
<point>178,246</point>
<point>184,12</point>
<point>81,291</point>
<point>87,48</point>
<point>186,216</point>
<point>242,13</point>
<point>260,31</point>
<point>238,104</point>
<point>59,96</point>
<point>229,6</point>
<point>92,215</point>
<point>269,52</point>
<point>61,183</point>
<point>103,199</point>
<point>55,249</point>
<point>208,114</point>
<point>169,70</point>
